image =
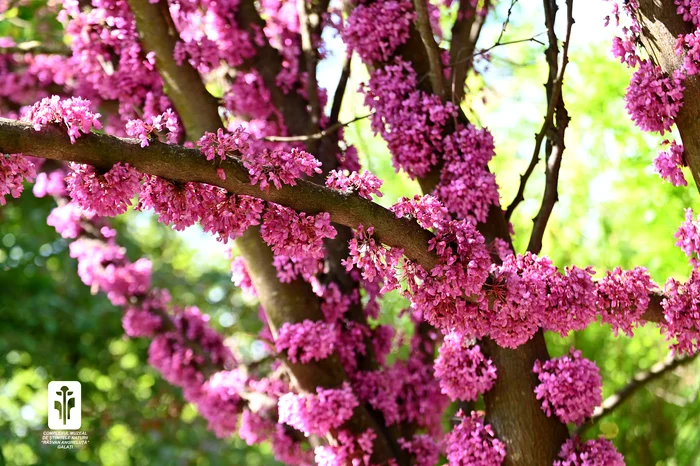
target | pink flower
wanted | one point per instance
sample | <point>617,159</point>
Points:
<point>364,184</point>
<point>74,113</point>
<point>653,99</point>
<point>14,169</point>
<point>317,414</point>
<point>622,296</point>
<point>473,443</point>
<point>423,448</point>
<point>464,372</point>
<point>688,235</point>
<point>107,194</point>
<point>294,234</point>
<point>668,165</point>
<point>682,313</point>
<point>165,123</point>
<point>221,145</point>
<point>279,167</point>
<point>374,31</point>
<point>306,341</point>
<point>570,387</point>
<point>597,452</point>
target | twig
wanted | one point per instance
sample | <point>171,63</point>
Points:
<point>507,21</point>
<point>340,90</point>
<point>465,33</point>
<point>555,132</point>
<point>36,47</point>
<point>639,380</point>
<point>316,136</point>
<point>431,47</point>
<point>308,23</point>
<point>510,42</point>
<point>548,121</point>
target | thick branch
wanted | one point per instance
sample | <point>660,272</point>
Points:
<point>660,28</point>
<point>431,47</point>
<point>641,379</point>
<point>182,164</point>
<point>197,108</point>
<point>465,33</point>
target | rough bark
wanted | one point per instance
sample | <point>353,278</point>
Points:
<point>661,25</point>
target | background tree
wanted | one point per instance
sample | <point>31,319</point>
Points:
<point>375,325</point>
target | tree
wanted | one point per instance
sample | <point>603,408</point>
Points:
<point>266,166</point>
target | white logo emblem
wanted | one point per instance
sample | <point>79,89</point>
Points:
<point>64,405</point>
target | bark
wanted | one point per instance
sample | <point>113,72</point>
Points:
<point>661,25</point>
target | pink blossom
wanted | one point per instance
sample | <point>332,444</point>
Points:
<point>294,234</point>
<point>165,123</point>
<point>411,121</point>
<point>221,145</point>
<point>317,414</point>
<point>423,448</point>
<point>464,372</point>
<point>50,184</point>
<point>570,387</point>
<point>306,341</point>
<point>427,210</point>
<point>240,276</point>
<point>622,296</point>
<point>596,452</point>
<point>688,235</point>
<point>74,113</point>
<point>375,30</point>
<point>255,428</point>
<point>67,218</point>
<point>682,313</point>
<point>375,261</point>
<point>364,184</point>
<point>107,194</point>
<point>473,443</point>
<point>521,286</point>
<point>466,187</point>
<point>668,165</point>
<point>350,449</point>
<point>279,167</point>
<point>690,10</point>
<point>220,403</point>
<point>653,99</point>
<point>571,301</point>
<point>14,169</point>
<point>138,322</point>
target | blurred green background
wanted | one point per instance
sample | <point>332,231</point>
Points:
<point>613,210</point>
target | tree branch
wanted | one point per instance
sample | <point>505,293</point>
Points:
<point>556,131</point>
<point>465,33</point>
<point>283,302</point>
<point>37,48</point>
<point>432,49</point>
<point>316,136</point>
<point>661,25</point>
<point>641,379</point>
<point>340,90</point>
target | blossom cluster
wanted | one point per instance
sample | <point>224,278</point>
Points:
<point>464,372</point>
<point>364,184</point>
<point>473,443</point>
<point>622,296</point>
<point>371,41</point>
<point>14,170</point>
<point>306,341</point>
<point>668,165</point>
<point>166,122</point>
<point>74,113</point>
<point>106,194</point>
<point>316,414</point>
<point>688,235</point>
<point>596,452</point>
<point>570,387</point>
